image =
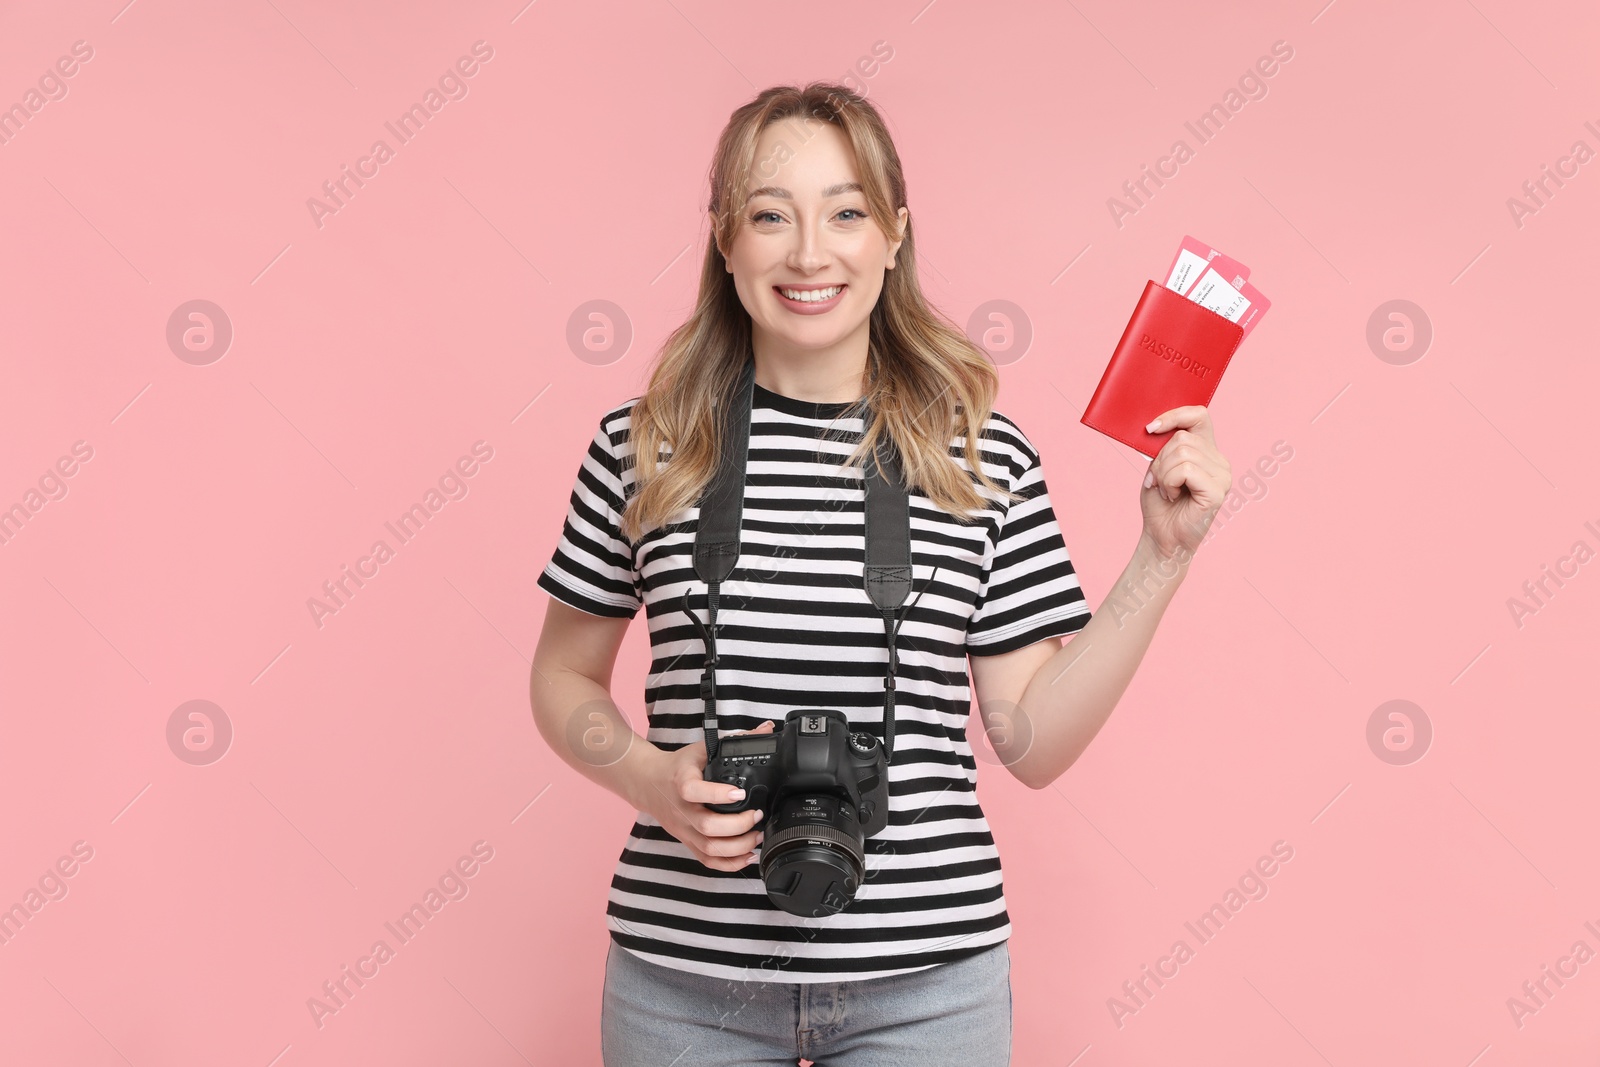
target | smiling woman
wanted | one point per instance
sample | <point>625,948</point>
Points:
<point>810,308</point>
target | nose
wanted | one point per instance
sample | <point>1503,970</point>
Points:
<point>808,253</point>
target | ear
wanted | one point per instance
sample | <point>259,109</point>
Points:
<point>894,246</point>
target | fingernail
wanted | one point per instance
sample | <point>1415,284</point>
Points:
<point>759,813</point>
<point>1155,424</point>
<point>1149,476</point>
<point>737,794</point>
<point>760,838</point>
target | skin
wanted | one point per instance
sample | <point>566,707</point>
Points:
<point>805,238</point>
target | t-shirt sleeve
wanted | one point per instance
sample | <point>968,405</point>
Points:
<point>1029,589</point>
<point>592,568</point>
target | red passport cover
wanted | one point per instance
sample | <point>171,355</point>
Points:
<point>1172,354</point>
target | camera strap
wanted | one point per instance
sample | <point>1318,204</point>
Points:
<point>887,574</point>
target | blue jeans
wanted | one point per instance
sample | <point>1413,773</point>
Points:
<point>956,1013</point>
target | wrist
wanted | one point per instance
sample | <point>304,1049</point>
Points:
<point>1168,566</point>
<point>636,772</point>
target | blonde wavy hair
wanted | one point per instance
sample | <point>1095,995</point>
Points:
<point>925,381</point>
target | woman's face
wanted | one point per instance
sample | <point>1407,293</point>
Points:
<point>807,234</point>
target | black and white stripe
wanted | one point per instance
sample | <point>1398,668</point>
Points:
<point>796,629</point>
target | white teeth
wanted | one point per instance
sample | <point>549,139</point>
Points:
<point>810,296</point>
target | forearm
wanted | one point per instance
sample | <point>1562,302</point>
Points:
<point>582,724</point>
<point>1072,695</point>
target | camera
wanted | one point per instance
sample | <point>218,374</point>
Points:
<point>823,789</point>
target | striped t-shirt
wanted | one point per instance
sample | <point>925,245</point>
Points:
<point>797,630</point>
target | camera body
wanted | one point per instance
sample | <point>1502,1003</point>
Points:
<point>823,789</point>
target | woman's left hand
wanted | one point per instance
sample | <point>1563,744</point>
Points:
<point>1185,483</point>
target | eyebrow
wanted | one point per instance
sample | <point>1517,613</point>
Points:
<point>784,194</point>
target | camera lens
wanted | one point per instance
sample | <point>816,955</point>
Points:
<point>812,859</point>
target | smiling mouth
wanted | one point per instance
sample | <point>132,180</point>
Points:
<point>812,295</point>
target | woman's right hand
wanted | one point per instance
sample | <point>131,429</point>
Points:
<point>676,795</point>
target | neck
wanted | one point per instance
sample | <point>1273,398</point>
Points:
<point>833,375</point>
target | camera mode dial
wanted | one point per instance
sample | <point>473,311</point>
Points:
<point>862,744</point>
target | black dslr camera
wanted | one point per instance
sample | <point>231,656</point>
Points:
<point>823,789</point>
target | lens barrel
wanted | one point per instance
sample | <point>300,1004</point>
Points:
<point>812,859</point>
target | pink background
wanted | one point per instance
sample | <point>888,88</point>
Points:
<point>431,312</point>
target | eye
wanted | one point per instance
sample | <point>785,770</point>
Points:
<point>758,216</point>
<point>853,211</point>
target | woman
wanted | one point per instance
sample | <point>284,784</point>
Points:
<point>811,275</point>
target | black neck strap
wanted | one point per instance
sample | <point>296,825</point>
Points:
<point>887,574</point>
